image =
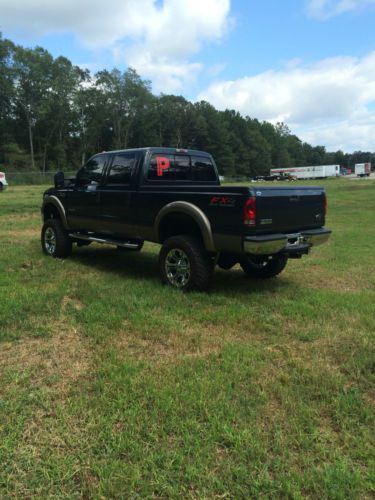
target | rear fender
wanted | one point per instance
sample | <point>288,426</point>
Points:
<point>198,216</point>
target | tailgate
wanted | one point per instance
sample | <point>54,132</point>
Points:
<point>289,208</point>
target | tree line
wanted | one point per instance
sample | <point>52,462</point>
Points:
<point>55,115</point>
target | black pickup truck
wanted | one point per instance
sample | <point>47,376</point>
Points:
<point>173,197</point>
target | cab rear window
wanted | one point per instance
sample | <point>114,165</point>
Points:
<point>203,169</point>
<point>181,168</point>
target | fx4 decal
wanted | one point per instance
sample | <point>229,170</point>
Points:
<point>222,201</point>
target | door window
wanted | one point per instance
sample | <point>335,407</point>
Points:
<point>121,169</point>
<point>92,172</point>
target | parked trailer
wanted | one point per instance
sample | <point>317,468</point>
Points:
<point>313,172</point>
<point>362,169</point>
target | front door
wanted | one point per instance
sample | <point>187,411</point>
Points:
<point>83,200</point>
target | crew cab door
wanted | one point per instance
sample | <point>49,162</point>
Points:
<point>116,204</point>
<point>82,200</point>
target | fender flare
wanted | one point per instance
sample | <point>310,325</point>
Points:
<point>53,200</point>
<point>192,211</point>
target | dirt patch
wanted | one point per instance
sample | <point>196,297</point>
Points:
<point>71,302</point>
<point>322,279</point>
<point>22,216</point>
<point>191,342</point>
<point>16,233</point>
<point>54,364</point>
<point>48,369</point>
<point>370,397</point>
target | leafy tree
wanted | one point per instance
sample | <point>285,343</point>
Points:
<point>61,115</point>
<point>125,95</point>
<point>32,78</point>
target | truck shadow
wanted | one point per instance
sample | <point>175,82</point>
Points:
<point>144,265</point>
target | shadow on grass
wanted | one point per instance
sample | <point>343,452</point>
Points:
<point>144,265</point>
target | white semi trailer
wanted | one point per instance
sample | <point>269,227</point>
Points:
<point>362,169</point>
<point>313,172</point>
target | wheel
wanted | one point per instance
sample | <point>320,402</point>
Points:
<point>55,240</point>
<point>138,249</point>
<point>264,267</point>
<point>185,264</point>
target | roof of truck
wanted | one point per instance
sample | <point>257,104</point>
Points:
<point>158,149</point>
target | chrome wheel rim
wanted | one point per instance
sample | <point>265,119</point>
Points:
<point>177,267</point>
<point>50,240</point>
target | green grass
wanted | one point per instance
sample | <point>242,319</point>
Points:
<point>113,386</point>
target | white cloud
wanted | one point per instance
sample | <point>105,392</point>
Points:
<point>157,39</point>
<point>215,69</point>
<point>346,135</point>
<point>325,9</point>
<point>327,102</point>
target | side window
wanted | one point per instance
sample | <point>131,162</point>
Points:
<point>169,168</point>
<point>121,169</point>
<point>92,171</point>
<point>203,169</point>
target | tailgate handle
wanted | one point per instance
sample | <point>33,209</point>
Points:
<point>294,198</point>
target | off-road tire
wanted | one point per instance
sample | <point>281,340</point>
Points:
<point>263,269</point>
<point>55,239</point>
<point>193,253</point>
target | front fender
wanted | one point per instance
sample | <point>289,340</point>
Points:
<point>53,200</point>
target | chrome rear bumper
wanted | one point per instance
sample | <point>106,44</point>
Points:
<point>274,243</point>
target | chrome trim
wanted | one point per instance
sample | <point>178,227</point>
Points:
<point>295,240</point>
<point>196,213</point>
<point>125,244</point>
<point>177,267</point>
<point>60,207</point>
<point>271,244</point>
<point>265,245</point>
<point>316,237</point>
<point>50,240</point>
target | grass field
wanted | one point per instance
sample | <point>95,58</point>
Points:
<point>113,386</point>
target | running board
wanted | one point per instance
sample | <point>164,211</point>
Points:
<point>117,243</point>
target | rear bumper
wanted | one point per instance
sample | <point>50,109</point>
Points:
<point>274,243</point>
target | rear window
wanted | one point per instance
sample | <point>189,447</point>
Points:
<point>203,169</point>
<point>181,168</point>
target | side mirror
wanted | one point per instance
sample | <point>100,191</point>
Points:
<point>92,186</point>
<point>59,179</point>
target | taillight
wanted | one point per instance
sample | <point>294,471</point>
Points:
<point>249,211</point>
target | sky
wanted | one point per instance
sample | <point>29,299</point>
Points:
<point>308,63</point>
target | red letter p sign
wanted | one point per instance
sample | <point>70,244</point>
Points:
<point>162,163</point>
